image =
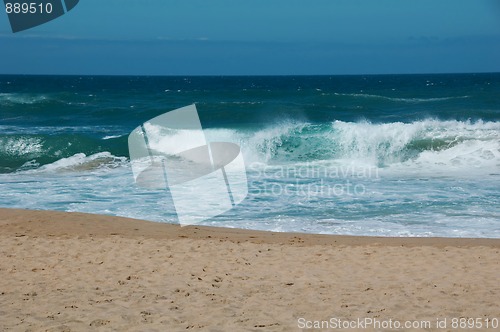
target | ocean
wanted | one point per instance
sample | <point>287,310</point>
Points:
<point>379,155</point>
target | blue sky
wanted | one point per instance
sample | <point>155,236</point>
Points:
<point>259,37</point>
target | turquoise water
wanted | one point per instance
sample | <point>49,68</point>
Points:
<point>402,155</point>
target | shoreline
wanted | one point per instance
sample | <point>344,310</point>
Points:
<point>82,272</point>
<point>59,223</point>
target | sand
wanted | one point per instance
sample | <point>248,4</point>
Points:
<point>82,272</point>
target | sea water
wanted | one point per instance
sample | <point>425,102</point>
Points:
<point>391,155</point>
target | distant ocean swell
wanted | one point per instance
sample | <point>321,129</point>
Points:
<point>394,99</point>
<point>11,99</point>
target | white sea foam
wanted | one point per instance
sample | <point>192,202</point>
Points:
<point>82,162</point>
<point>21,98</point>
<point>111,137</point>
<point>460,145</point>
<point>20,146</point>
<point>467,159</point>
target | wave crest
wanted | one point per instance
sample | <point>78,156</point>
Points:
<point>441,144</point>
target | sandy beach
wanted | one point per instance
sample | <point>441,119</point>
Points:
<point>82,272</point>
